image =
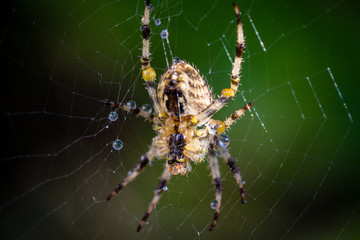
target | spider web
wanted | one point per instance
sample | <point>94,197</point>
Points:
<point>296,148</point>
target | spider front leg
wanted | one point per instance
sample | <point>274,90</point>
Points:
<point>228,93</point>
<point>138,112</point>
<point>130,107</point>
<point>165,177</point>
<point>148,73</point>
<point>215,172</point>
<point>143,162</point>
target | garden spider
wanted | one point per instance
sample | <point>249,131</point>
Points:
<point>183,107</point>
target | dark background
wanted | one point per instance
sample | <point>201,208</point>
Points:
<point>298,149</point>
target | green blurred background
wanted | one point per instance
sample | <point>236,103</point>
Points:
<point>297,149</point>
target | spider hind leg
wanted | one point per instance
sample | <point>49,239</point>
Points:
<point>215,172</point>
<point>224,153</point>
<point>142,163</point>
<point>165,177</point>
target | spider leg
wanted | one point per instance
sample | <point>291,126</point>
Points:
<point>138,112</point>
<point>144,160</point>
<point>234,169</point>
<point>236,115</point>
<point>228,93</point>
<point>165,177</point>
<point>215,172</point>
<point>148,73</point>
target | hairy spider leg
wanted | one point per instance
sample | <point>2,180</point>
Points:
<point>143,162</point>
<point>148,73</point>
<point>236,115</point>
<point>224,153</point>
<point>215,172</point>
<point>165,177</point>
<point>228,93</point>
<point>138,112</point>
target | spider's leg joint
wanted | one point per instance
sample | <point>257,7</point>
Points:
<point>194,120</point>
<point>145,30</point>
<point>218,185</point>
<point>235,79</point>
<point>227,93</point>
<point>148,74</point>
<point>237,13</point>
<point>145,61</point>
<point>135,111</point>
<point>144,160</point>
<point>240,49</point>
<point>231,164</point>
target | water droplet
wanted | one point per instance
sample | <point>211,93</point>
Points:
<point>223,140</point>
<point>243,182</point>
<point>146,108</point>
<point>165,188</point>
<point>213,204</point>
<point>151,7</point>
<point>130,172</point>
<point>164,34</point>
<point>113,116</point>
<point>117,144</point>
<point>131,104</point>
<point>157,22</point>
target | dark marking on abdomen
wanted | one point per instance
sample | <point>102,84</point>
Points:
<point>173,105</point>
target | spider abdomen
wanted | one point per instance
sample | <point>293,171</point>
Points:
<point>182,91</point>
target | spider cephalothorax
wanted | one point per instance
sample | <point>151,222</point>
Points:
<point>185,132</point>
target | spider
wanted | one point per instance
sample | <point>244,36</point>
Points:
<point>185,132</point>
